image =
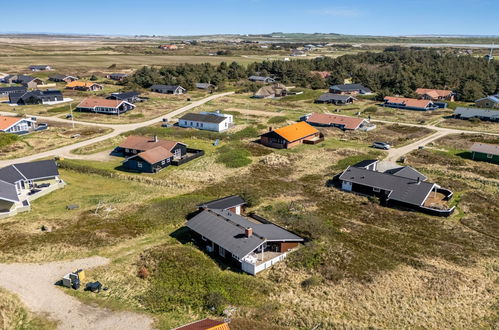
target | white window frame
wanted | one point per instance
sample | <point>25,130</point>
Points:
<point>221,251</point>
<point>204,238</point>
<point>376,189</point>
<point>490,156</point>
<point>139,164</point>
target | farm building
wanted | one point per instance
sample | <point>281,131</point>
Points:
<point>491,101</point>
<point>290,136</point>
<point>25,182</point>
<point>17,125</point>
<point>62,78</point>
<point>271,91</point>
<point>117,76</point>
<point>351,89</point>
<point>84,86</point>
<point>485,152</point>
<point>105,106</point>
<point>409,104</point>
<point>130,97</point>
<point>267,80</point>
<point>251,245</point>
<point>40,67</point>
<point>209,121</point>
<point>483,114</point>
<point>342,122</point>
<point>150,155</point>
<point>168,89</point>
<point>205,324</point>
<point>50,96</point>
<point>435,94</point>
<point>336,99</point>
<point>395,185</point>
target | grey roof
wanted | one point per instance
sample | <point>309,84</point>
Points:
<point>205,118</point>
<point>61,76</point>
<point>123,96</point>
<point>10,174</point>
<point>12,89</point>
<point>38,66</point>
<point>402,189</point>
<point>260,78</point>
<point>227,230</point>
<point>23,79</point>
<point>204,85</point>
<point>335,97</point>
<point>407,172</point>
<point>15,97</point>
<point>486,148</point>
<point>8,192</point>
<point>38,170</point>
<point>167,87</point>
<point>493,98</point>
<point>468,112</point>
<point>351,88</point>
<point>365,163</point>
<point>118,75</point>
<point>224,203</point>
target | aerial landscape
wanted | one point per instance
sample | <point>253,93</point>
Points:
<point>240,164</point>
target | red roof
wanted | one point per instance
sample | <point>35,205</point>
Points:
<point>434,93</point>
<point>323,74</point>
<point>97,102</point>
<point>205,324</point>
<point>7,121</point>
<point>408,102</point>
<point>330,119</point>
<point>155,155</point>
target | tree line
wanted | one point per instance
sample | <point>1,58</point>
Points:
<point>395,71</point>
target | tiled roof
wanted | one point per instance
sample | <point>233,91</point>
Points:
<point>329,119</point>
<point>296,131</point>
<point>97,102</point>
<point>434,93</point>
<point>7,121</point>
<point>155,155</point>
<point>206,324</point>
<point>408,102</point>
<point>80,84</point>
<point>144,143</point>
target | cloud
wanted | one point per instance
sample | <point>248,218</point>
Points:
<point>337,12</point>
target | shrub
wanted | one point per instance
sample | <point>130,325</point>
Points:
<point>215,302</point>
<point>94,78</point>
<point>310,282</point>
<point>371,109</point>
<point>8,139</point>
<point>475,120</point>
<point>277,120</point>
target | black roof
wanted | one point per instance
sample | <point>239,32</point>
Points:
<point>15,97</point>
<point>24,79</point>
<point>365,163</point>
<point>224,203</point>
<point>227,230</point>
<point>12,89</point>
<point>335,97</point>
<point>167,87</point>
<point>38,170</point>
<point>401,188</point>
<point>10,174</point>
<point>206,118</point>
<point>350,88</point>
<point>8,192</point>
<point>204,85</point>
<point>123,96</point>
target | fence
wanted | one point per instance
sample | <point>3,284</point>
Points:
<point>195,153</point>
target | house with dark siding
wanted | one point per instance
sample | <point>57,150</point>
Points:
<point>485,152</point>
<point>394,185</point>
<point>406,103</point>
<point>168,89</point>
<point>130,97</point>
<point>104,106</point>
<point>291,136</point>
<point>250,244</point>
<point>62,78</point>
<point>336,99</point>
<point>36,97</point>
<point>351,89</point>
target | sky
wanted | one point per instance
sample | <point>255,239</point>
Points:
<point>201,17</point>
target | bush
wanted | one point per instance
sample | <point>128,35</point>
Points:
<point>371,109</point>
<point>474,120</point>
<point>8,139</point>
<point>215,302</point>
<point>277,120</point>
<point>310,282</point>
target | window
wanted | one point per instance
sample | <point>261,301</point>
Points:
<point>203,238</point>
<point>490,155</point>
<point>139,164</point>
<point>163,162</point>
<point>376,189</point>
<point>127,150</point>
<point>235,257</point>
<point>221,251</point>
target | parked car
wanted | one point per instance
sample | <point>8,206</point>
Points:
<point>381,145</point>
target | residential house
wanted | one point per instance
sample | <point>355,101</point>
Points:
<point>27,81</point>
<point>51,96</point>
<point>234,203</point>
<point>206,86</point>
<point>485,152</point>
<point>352,89</point>
<point>483,114</point>
<point>271,91</point>
<point>342,122</point>
<point>267,80</point>
<point>396,185</point>
<point>168,47</point>
<point>491,101</point>
<point>209,121</point>
<point>84,86</point>
<point>130,97</point>
<point>298,53</point>
<point>150,155</point>
<point>117,76</point>
<point>251,245</point>
<point>6,91</point>
<point>205,324</point>
<point>168,89</point>
<point>336,99</point>
<point>62,78</point>
<point>24,182</point>
<point>322,74</point>
<point>409,104</point>
<point>17,125</point>
<point>105,106</point>
<point>435,94</point>
<point>40,67</point>
<point>290,136</point>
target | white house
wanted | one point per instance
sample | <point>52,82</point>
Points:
<point>210,121</point>
<point>17,125</point>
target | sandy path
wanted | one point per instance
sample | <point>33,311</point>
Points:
<point>34,284</point>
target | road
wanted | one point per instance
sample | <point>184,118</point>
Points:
<point>117,130</point>
<point>35,285</point>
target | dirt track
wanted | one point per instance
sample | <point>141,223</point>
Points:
<point>34,284</point>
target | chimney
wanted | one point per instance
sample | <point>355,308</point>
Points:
<point>155,138</point>
<point>270,128</point>
<point>419,180</point>
<point>249,232</point>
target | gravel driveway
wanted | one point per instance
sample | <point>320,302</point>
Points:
<point>34,284</point>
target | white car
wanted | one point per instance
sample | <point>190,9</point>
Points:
<point>381,145</point>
